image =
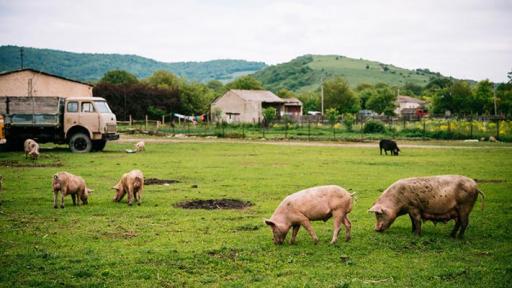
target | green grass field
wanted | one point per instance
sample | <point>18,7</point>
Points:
<point>108,244</point>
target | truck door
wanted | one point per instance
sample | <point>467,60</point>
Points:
<point>89,118</point>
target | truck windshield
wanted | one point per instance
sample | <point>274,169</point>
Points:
<point>102,107</point>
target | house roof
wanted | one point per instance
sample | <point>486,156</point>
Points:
<point>409,99</point>
<point>44,73</point>
<point>292,101</point>
<point>257,95</point>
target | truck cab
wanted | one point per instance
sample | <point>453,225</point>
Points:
<point>88,123</point>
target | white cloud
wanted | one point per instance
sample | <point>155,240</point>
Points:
<point>465,39</point>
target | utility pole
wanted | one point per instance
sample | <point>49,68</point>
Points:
<point>21,57</point>
<point>494,91</point>
<point>322,93</point>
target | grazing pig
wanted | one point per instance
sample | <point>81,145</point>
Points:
<point>131,183</point>
<point>436,198</point>
<point>31,149</point>
<point>68,183</point>
<point>317,203</point>
<point>139,146</point>
<point>388,145</point>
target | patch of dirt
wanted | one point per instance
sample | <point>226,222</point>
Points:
<point>212,204</point>
<point>156,181</point>
<point>490,180</point>
<point>16,163</point>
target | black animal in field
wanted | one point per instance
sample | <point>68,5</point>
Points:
<point>388,145</point>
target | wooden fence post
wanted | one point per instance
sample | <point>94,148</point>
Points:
<point>163,120</point>
<point>146,122</point>
<point>131,120</point>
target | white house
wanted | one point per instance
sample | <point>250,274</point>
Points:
<point>247,106</point>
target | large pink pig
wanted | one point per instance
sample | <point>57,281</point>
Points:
<point>317,203</point>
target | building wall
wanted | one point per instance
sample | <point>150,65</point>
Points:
<point>29,83</point>
<point>403,105</point>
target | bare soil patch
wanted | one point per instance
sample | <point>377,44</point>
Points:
<point>212,204</point>
<point>156,181</point>
<point>16,163</point>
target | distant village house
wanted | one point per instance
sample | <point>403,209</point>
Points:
<point>30,82</point>
<point>409,107</point>
<point>247,106</point>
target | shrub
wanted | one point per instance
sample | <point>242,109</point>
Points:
<point>348,121</point>
<point>374,126</point>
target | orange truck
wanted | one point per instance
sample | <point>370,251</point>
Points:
<point>84,123</point>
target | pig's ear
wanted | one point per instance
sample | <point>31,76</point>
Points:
<point>270,223</point>
<point>376,209</point>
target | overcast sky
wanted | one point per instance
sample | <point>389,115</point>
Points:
<point>465,39</point>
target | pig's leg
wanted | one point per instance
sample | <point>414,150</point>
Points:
<point>338,219</point>
<point>137,196</point>
<point>416,220</point>
<point>456,227</point>
<point>413,224</point>
<point>348,227</point>
<point>63,193</point>
<point>310,230</point>
<point>130,195</point>
<point>55,199</point>
<point>294,233</point>
<point>73,197</point>
<point>464,221</point>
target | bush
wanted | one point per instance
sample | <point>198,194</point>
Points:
<point>374,126</point>
<point>348,121</point>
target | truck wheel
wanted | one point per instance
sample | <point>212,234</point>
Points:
<point>80,143</point>
<point>98,145</point>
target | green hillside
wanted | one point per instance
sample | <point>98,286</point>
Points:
<point>91,67</point>
<point>305,73</point>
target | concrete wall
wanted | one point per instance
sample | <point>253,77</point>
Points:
<point>29,83</point>
<point>249,111</point>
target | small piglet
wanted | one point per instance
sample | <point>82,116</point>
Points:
<point>436,198</point>
<point>139,146</point>
<point>388,145</point>
<point>68,183</point>
<point>317,203</point>
<point>31,149</point>
<point>131,183</point>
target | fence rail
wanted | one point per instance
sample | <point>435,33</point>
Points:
<point>321,130</point>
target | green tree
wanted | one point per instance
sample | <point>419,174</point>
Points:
<point>383,101</point>
<point>245,83</point>
<point>338,95</point>
<point>482,101</point>
<point>504,98</point>
<point>164,80</point>
<point>366,94</point>
<point>195,98</point>
<point>216,86</point>
<point>119,77</point>
<point>285,93</point>
<point>269,114</point>
<point>461,98</point>
<point>310,101</point>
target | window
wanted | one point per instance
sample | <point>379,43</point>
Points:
<point>102,107</point>
<point>72,106</point>
<point>87,107</point>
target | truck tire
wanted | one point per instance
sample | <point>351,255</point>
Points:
<point>98,145</point>
<point>80,143</point>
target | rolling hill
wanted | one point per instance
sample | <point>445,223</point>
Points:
<point>306,72</point>
<point>91,67</point>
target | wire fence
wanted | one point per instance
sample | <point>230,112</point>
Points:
<point>320,129</point>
